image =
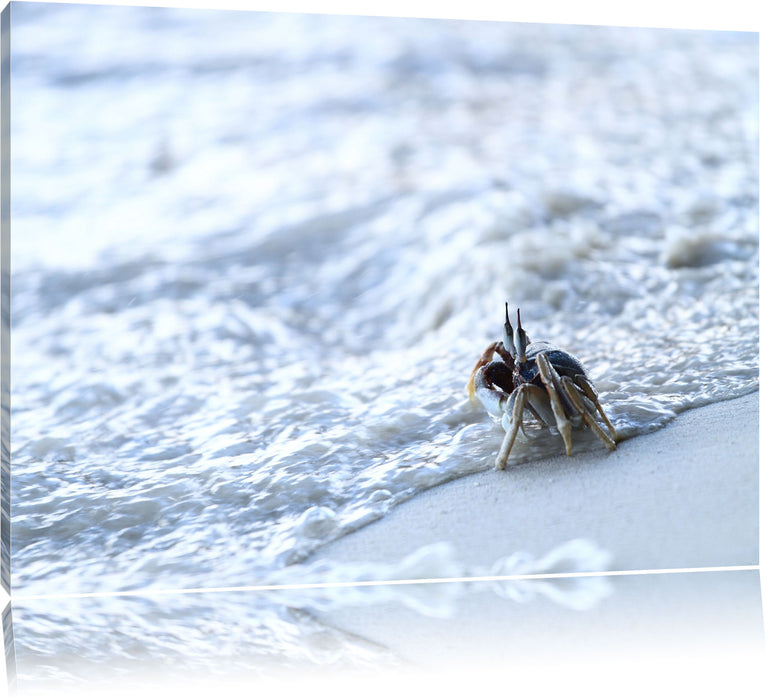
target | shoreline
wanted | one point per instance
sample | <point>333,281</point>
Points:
<point>685,496</point>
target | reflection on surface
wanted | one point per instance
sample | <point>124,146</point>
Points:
<point>518,577</point>
<point>9,677</point>
<point>672,614</point>
<point>246,636</point>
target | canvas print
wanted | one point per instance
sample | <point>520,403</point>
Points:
<point>308,298</point>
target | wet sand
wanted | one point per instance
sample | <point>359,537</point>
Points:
<point>685,496</point>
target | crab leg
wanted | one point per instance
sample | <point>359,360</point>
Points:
<point>582,381</point>
<point>551,381</point>
<point>533,408</point>
<point>538,403</point>
<point>572,391</point>
<point>514,426</point>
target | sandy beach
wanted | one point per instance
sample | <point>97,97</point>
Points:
<point>685,496</point>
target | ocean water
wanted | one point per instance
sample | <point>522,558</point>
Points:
<point>255,257</point>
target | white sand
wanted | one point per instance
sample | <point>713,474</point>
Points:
<point>684,496</point>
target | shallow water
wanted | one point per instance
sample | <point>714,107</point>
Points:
<point>255,257</point>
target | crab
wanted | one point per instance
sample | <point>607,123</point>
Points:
<point>540,378</point>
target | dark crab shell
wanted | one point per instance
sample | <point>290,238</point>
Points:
<point>564,363</point>
<point>498,373</point>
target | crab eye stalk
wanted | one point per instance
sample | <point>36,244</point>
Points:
<point>509,333</point>
<point>521,341</point>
